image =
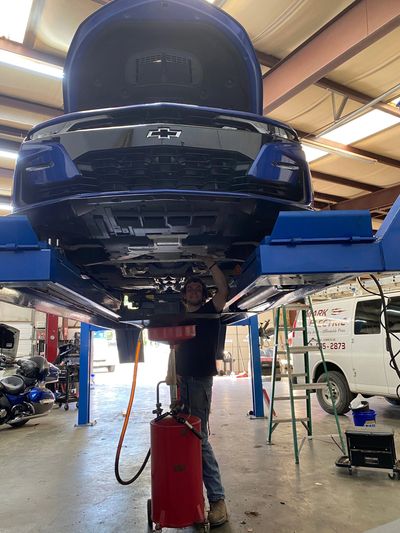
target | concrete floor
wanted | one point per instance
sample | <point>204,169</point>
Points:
<point>58,478</point>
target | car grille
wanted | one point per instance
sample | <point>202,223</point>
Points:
<point>165,167</point>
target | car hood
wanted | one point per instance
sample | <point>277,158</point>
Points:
<point>143,51</point>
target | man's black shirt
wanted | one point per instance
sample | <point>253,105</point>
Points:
<point>196,357</point>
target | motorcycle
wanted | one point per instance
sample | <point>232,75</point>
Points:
<point>24,395</point>
<point>9,367</point>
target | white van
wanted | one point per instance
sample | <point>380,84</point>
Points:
<point>354,345</point>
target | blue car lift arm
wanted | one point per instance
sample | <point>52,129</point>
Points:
<point>34,274</point>
<point>309,251</point>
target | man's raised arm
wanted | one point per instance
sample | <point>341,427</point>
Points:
<point>221,295</point>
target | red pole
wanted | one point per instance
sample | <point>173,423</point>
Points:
<point>51,349</point>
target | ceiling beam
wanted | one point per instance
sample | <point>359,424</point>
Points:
<point>20,49</point>
<point>8,131</point>
<point>354,29</point>
<point>328,197</point>
<point>362,98</point>
<point>375,200</point>
<point>34,18</point>
<point>6,173</point>
<point>344,181</point>
<point>319,205</point>
<point>319,142</point>
<point>269,61</point>
<point>12,146</point>
<point>30,107</point>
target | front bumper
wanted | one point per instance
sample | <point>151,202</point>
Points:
<point>219,153</point>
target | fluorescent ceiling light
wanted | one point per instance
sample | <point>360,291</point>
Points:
<point>324,147</point>
<point>20,61</point>
<point>312,153</point>
<point>14,16</point>
<point>6,207</point>
<point>8,154</point>
<point>362,127</point>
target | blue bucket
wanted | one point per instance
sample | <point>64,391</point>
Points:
<point>365,418</point>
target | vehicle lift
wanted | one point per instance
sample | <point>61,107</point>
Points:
<point>305,253</point>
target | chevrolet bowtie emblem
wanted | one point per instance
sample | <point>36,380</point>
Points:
<point>164,133</point>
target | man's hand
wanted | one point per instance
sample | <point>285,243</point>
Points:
<point>221,295</point>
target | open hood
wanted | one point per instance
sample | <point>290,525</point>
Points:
<point>144,51</point>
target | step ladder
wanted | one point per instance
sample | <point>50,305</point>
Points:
<point>306,388</point>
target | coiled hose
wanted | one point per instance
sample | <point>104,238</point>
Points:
<point>125,425</point>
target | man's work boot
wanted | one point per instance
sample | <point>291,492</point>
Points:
<point>217,514</point>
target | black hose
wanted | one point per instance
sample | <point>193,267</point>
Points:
<point>393,363</point>
<point>132,480</point>
<point>125,426</point>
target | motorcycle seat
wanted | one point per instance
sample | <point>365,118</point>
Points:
<point>12,384</point>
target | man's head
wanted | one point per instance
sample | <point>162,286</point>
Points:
<point>194,291</point>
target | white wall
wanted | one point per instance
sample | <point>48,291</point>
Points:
<point>21,318</point>
<point>238,344</point>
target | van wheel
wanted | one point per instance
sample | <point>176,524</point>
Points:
<point>393,401</point>
<point>340,390</point>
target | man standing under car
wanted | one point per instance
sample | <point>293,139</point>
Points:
<point>195,368</point>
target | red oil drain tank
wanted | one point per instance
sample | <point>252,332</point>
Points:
<point>176,474</point>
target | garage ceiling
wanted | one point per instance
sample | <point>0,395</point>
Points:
<point>325,64</point>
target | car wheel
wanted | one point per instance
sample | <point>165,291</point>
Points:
<point>393,401</point>
<point>340,391</point>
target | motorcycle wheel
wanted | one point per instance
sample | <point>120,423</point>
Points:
<point>18,424</point>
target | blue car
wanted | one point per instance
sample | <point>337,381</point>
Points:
<point>163,155</point>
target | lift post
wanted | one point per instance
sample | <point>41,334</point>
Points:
<point>256,374</point>
<point>85,370</point>
<point>85,366</point>
<point>255,365</point>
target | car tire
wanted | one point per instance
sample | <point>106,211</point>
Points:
<point>393,401</point>
<point>343,395</point>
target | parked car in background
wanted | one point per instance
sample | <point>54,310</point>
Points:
<point>266,357</point>
<point>105,353</point>
<point>354,344</point>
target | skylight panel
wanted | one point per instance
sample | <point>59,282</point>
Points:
<point>20,61</point>
<point>14,16</point>
<point>362,127</point>
<point>8,154</point>
<point>312,154</point>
